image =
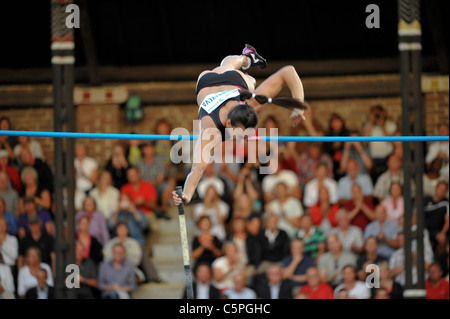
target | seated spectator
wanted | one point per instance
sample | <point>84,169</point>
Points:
<point>210,178</point>
<point>308,161</point>
<point>92,247</point>
<point>274,287</point>
<point>152,169</point>
<point>440,150</point>
<point>105,195</point>
<point>239,289</point>
<point>246,195</point>
<point>216,209</point>
<point>202,286</point>
<point>352,177</point>
<point>133,152</point>
<point>342,294</point>
<point>443,259</point>
<point>359,152</point>
<point>88,274</point>
<point>336,127</point>
<point>10,218</point>
<point>296,264</point>
<point>397,262</point>
<point>98,227</point>
<point>360,209</point>
<point>86,174</point>
<point>394,289</point>
<point>31,210</point>
<point>324,213</point>
<point>436,286</point>
<point>249,250</point>
<point>7,143</point>
<point>206,247</point>
<point>312,237</point>
<point>394,203</point>
<point>393,174</point>
<point>436,211</point>
<point>143,195</point>
<point>288,177</point>
<point>254,224</point>
<point>40,239</point>
<point>32,188</point>
<point>369,257</point>
<point>225,267</point>
<point>311,195</point>
<point>288,209</point>
<point>130,215</point>
<point>243,206</point>
<point>350,236</point>
<point>134,254</point>
<point>27,142</point>
<point>314,288</point>
<point>118,165</point>
<point>385,231</point>
<point>379,125</point>
<point>356,289</point>
<point>12,172</point>
<point>9,247</point>
<point>9,196</point>
<point>432,177</point>
<point>116,277</point>
<point>44,172</point>
<point>27,277</point>
<point>274,243</point>
<point>332,262</point>
<point>42,290</point>
<point>7,288</point>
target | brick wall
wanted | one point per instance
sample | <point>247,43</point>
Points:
<point>110,118</point>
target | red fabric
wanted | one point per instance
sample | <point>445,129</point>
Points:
<point>317,216</point>
<point>360,220</point>
<point>439,292</point>
<point>146,190</point>
<point>14,176</point>
<point>324,291</point>
<point>87,248</point>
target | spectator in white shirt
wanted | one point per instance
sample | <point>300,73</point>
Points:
<point>86,174</point>
<point>288,209</point>
<point>356,289</point>
<point>311,195</point>
<point>350,236</point>
<point>270,182</point>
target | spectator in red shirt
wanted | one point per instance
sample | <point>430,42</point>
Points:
<point>361,209</point>
<point>13,173</point>
<point>143,194</point>
<point>436,286</point>
<point>314,288</point>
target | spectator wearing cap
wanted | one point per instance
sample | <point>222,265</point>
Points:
<point>30,211</point>
<point>40,239</point>
<point>12,172</point>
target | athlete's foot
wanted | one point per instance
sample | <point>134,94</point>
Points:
<point>254,58</point>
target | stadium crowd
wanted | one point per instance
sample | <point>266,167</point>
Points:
<point>314,229</point>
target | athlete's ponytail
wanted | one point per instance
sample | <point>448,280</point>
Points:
<point>286,102</point>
